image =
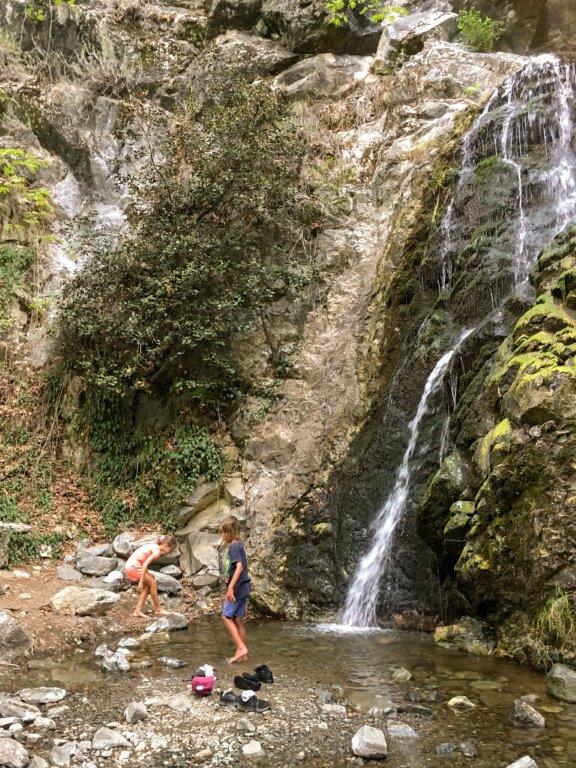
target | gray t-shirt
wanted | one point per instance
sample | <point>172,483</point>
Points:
<point>237,554</point>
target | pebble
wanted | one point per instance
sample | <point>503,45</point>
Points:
<point>244,724</point>
<point>445,749</point>
<point>523,762</point>
<point>468,749</point>
<point>334,710</point>
<point>204,754</point>
<point>461,702</point>
<point>252,749</point>
<point>106,738</point>
<point>167,661</point>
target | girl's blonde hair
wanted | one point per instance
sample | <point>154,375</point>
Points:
<point>231,527</point>
<point>168,540</point>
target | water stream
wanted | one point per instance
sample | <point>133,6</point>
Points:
<point>532,108</point>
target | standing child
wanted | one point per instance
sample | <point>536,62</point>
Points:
<point>137,570</point>
<point>238,588</point>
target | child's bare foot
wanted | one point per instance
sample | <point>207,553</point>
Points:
<point>160,612</point>
<point>139,615</point>
<point>240,655</point>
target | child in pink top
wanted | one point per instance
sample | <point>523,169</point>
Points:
<point>137,570</point>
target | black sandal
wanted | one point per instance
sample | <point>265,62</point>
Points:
<point>264,674</point>
<point>229,697</point>
<point>249,703</point>
<point>246,684</point>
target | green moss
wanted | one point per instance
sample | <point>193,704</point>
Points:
<point>497,441</point>
<point>547,314</point>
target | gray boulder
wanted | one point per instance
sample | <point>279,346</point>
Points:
<point>561,683</point>
<point>67,573</point>
<point>206,493</point>
<point>13,754</point>
<point>62,754</point>
<point>206,579</point>
<point>106,738</point>
<point>129,642</point>
<point>171,570</point>
<point>232,14</point>
<point>13,640</point>
<point>93,565</point>
<point>97,550</point>
<point>113,582</point>
<point>323,76</point>
<point>408,34</point>
<point>524,715</point>
<point>42,695</point>
<point>167,584</point>
<point>83,602</point>
<point>169,623</point>
<point>123,545</point>
<point>369,742</point>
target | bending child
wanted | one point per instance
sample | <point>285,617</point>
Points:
<point>238,588</point>
<point>137,570</point>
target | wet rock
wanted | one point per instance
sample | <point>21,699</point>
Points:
<point>13,754</point>
<point>129,642</point>
<point>401,675</point>
<point>368,701</point>
<point>61,755</point>
<point>106,738</point>
<point>252,749</point>
<point>115,662</point>
<point>445,749</point>
<point>523,762</point>
<point>167,661</point>
<point>83,602</point>
<point>135,711</point>
<point>323,76</point>
<point>407,35</point>
<point>101,651</point>
<point>461,702</point>
<point>334,710</point>
<point>324,695</point>
<point>96,566</point>
<point>27,713</point>
<point>561,683</point>
<point>144,664</point>
<point>470,635</point>
<point>67,573</point>
<point>468,749</point>
<point>369,742</point>
<point>401,731</point>
<point>169,623</point>
<point>524,715</point>
<point>42,695</point>
<point>416,709</point>
<point>13,640</point>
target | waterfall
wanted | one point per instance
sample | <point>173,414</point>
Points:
<point>361,602</point>
<point>550,84</point>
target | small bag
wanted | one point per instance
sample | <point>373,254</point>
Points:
<point>202,686</point>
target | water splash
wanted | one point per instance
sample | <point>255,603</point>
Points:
<point>362,599</point>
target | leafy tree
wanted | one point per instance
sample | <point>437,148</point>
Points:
<point>478,31</point>
<point>377,11</point>
<point>219,231</point>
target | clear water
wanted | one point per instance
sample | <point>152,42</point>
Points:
<point>303,658</point>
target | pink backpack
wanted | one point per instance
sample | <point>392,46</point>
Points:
<point>202,686</point>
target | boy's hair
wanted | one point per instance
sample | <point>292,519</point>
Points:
<point>231,527</point>
<point>168,540</point>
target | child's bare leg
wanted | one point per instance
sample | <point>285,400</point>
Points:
<point>153,588</point>
<point>241,630</point>
<point>141,601</point>
<point>241,649</point>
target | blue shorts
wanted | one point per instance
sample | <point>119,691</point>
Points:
<point>235,609</point>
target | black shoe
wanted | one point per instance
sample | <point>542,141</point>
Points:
<point>264,674</point>
<point>229,697</point>
<point>252,704</point>
<point>245,684</point>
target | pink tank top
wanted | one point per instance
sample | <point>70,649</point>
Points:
<point>137,559</point>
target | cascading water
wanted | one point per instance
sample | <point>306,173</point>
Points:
<point>544,83</point>
<point>361,602</point>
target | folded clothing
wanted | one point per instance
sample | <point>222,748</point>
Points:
<point>206,670</point>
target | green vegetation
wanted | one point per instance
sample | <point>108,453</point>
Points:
<point>37,10</point>
<point>220,231</point>
<point>142,476</point>
<point>479,32</point>
<point>377,11</point>
<point>29,546</point>
<point>23,206</point>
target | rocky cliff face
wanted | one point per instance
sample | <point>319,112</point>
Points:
<point>314,461</point>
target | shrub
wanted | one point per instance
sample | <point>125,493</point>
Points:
<point>219,231</point>
<point>377,11</point>
<point>478,31</point>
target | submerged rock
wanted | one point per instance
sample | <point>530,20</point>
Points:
<point>369,742</point>
<point>561,683</point>
<point>170,662</point>
<point>84,602</point>
<point>401,731</point>
<point>524,715</point>
<point>523,762</point>
<point>401,675</point>
<point>115,662</point>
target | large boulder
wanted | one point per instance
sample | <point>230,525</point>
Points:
<point>206,493</point>
<point>369,742</point>
<point>171,622</point>
<point>42,695</point>
<point>91,565</point>
<point>200,550</point>
<point>232,14</point>
<point>83,602</point>
<point>167,584</point>
<point>468,634</point>
<point>13,640</point>
<point>561,683</point>
<point>323,76</point>
<point>408,34</point>
<point>13,754</point>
